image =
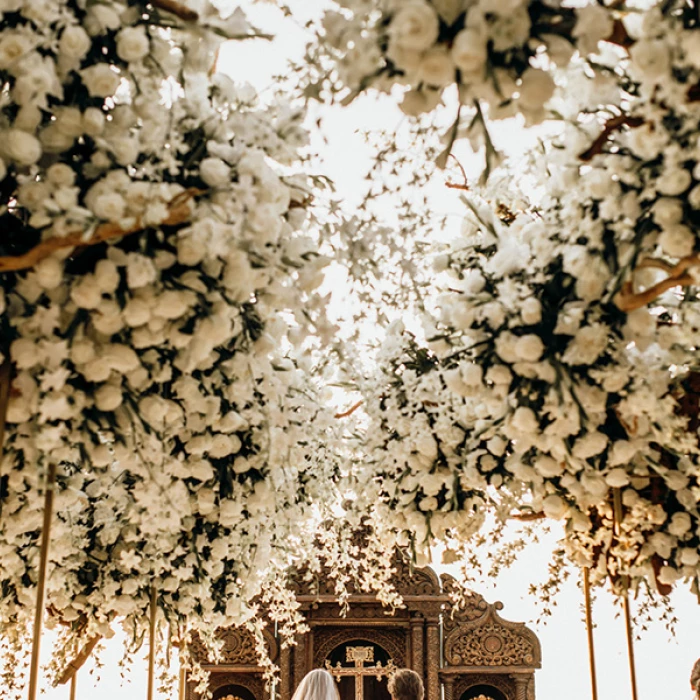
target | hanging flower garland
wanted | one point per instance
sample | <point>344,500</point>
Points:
<point>157,276</point>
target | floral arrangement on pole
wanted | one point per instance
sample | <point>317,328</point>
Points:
<point>558,374</point>
<point>156,277</point>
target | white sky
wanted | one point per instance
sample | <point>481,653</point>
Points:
<point>663,663</point>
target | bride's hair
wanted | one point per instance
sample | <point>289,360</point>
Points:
<point>695,678</point>
<point>317,685</point>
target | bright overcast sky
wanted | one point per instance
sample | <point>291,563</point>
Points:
<point>663,663</point>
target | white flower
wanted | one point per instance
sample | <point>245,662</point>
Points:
<point>590,445</point>
<point>215,172</point>
<point>87,293</point>
<point>617,478</point>
<point>109,206</point>
<point>108,397</point>
<point>680,524</point>
<point>13,46</point>
<point>651,58</point>
<point>74,42</point>
<point>525,421</point>
<point>529,348</point>
<point>548,467</point>
<point>667,211</point>
<point>100,80</point>
<point>132,44</point>
<point>587,345</point>
<point>436,68</point>
<point>677,241</point>
<point>49,272</point>
<point>140,271</point>
<point>536,87</point>
<point>593,24</point>
<point>93,121</point>
<point>417,102</point>
<point>60,174</point>
<point>20,147</point>
<point>415,26</point>
<point>449,10</point>
<point>554,507</point>
<point>469,51</point>
<point>100,18</point>
<point>674,181</point>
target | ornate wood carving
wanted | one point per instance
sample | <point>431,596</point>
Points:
<point>251,681</point>
<point>328,638</point>
<point>238,648</point>
<point>476,635</point>
<point>417,644</point>
<point>433,669</point>
<point>500,682</point>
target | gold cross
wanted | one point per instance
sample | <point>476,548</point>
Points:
<point>360,655</point>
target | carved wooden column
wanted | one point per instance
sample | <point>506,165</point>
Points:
<point>521,683</point>
<point>417,645</point>
<point>433,642</point>
<point>449,685</point>
<point>300,659</point>
<point>285,673</point>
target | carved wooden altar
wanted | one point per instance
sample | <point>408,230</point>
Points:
<point>461,652</point>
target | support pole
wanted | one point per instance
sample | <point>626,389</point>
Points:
<point>589,631</point>
<point>152,646</point>
<point>183,684</point>
<point>41,583</point>
<point>630,644</point>
<point>73,687</point>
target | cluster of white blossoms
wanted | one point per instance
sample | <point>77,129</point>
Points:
<point>158,278</point>
<point>493,50</point>
<point>558,377</point>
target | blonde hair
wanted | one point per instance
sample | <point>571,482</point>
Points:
<point>406,685</point>
<point>317,685</point>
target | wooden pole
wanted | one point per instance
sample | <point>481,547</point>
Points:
<point>630,644</point>
<point>589,632</point>
<point>73,686</point>
<point>41,583</point>
<point>183,684</point>
<point>152,647</point>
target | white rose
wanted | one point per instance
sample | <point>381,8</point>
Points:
<point>593,24</point>
<point>100,80</point>
<point>100,18</point>
<point>109,206</point>
<point>674,181</point>
<point>82,350</point>
<point>449,10</point>
<point>108,397</point>
<point>60,174</point>
<point>49,272</point>
<point>680,524</point>
<point>171,304</point>
<point>693,197</point>
<point>548,467</point>
<point>25,353</point>
<point>136,312</point>
<point>69,121</point>
<point>554,507</point>
<point>651,59</point>
<point>74,43</point>
<point>529,348</point>
<point>125,149</point>
<point>215,172</point>
<point>531,311</point>
<point>667,211</point>
<point>525,421</point>
<point>428,504</point>
<point>87,293</point>
<point>224,445</point>
<point>590,445</point>
<point>20,147</point>
<point>132,44</point>
<point>415,26</point>
<point>689,557</point>
<point>668,575</point>
<point>140,271</point>
<point>536,87</point>
<point>436,68</point>
<point>96,370</point>
<point>417,102</point>
<point>499,375</point>
<point>93,121</point>
<point>677,241</point>
<point>617,478</point>
<point>469,51</point>
<point>12,47</point>
<point>594,484</point>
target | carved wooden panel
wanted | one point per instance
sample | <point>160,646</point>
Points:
<point>501,682</point>
<point>251,681</point>
<point>238,648</point>
<point>489,644</point>
<point>394,642</point>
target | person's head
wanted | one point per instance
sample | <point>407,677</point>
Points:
<point>406,685</point>
<point>317,685</point>
<point>695,678</point>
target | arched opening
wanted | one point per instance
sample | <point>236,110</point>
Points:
<point>483,692</point>
<point>359,668</point>
<point>233,692</point>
